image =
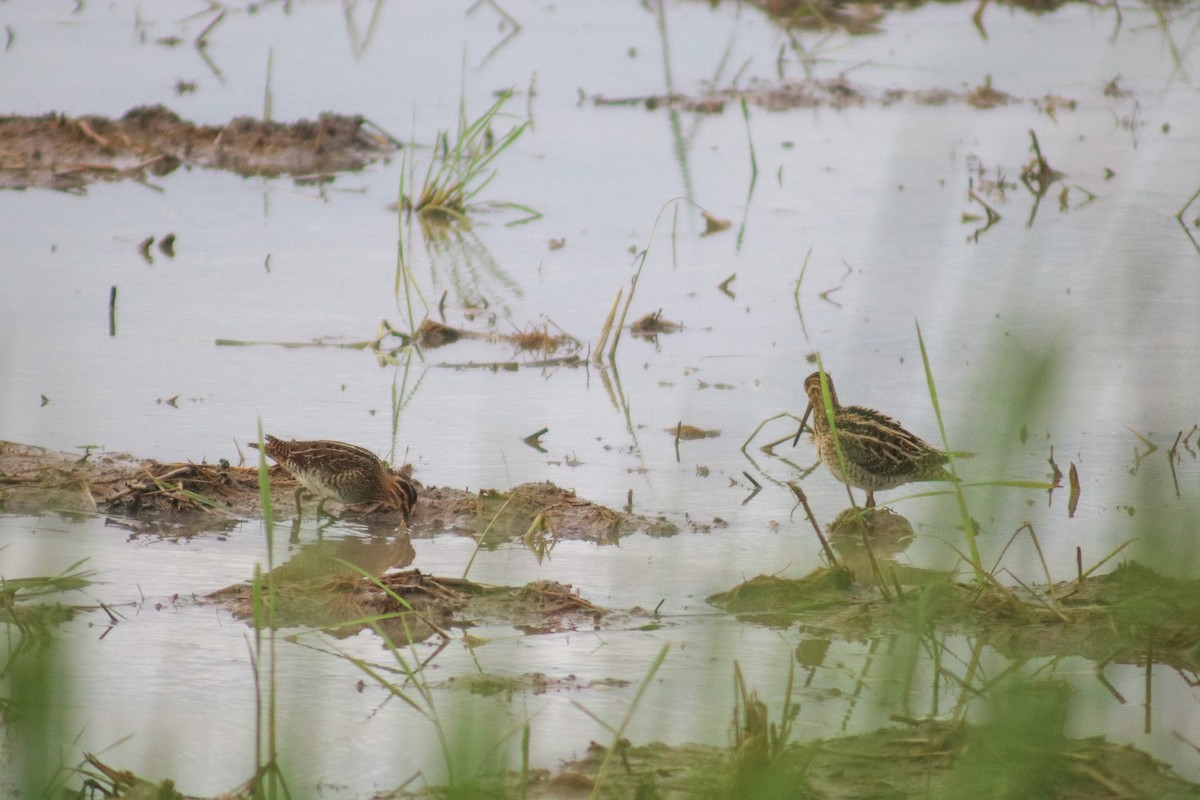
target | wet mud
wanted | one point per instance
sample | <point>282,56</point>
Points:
<point>68,153</point>
<point>411,606</point>
<point>183,498</point>
<point>1132,615</point>
<point>925,759</point>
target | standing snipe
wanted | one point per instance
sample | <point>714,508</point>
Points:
<point>341,472</point>
<point>877,453</point>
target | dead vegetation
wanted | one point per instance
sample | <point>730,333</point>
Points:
<point>653,324</point>
<point>67,153</point>
<point>837,93</point>
<point>533,339</point>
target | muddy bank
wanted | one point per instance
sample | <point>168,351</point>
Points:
<point>1129,616</point>
<point>411,606</point>
<point>67,153</point>
<point>918,760</point>
<point>180,498</point>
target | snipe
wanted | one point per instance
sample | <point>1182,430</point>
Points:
<point>877,452</point>
<point>341,472</point>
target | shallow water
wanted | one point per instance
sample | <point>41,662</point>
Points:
<point>1105,291</point>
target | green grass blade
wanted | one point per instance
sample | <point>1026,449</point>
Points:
<point>968,524</point>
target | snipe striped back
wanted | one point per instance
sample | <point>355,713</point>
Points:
<point>877,452</point>
<point>343,472</point>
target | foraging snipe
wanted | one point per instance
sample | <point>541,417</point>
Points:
<point>341,472</point>
<point>877,453</point>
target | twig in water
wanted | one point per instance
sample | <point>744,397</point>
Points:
<point>1171,456</point>
<point>829,554</point>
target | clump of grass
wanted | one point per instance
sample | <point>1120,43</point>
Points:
<point>761,767</point>
<point>541,340</point>
<point>442,202</point>
<point>459,172</point>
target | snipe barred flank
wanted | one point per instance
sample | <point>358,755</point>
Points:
<point>341,472</point>
<point>877,453</point>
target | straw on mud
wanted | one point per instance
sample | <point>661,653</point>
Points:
<point>204,503</point>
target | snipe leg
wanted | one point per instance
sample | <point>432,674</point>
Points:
<point>296,519</point>
<point>299,494</point>
<point>870,499</point>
